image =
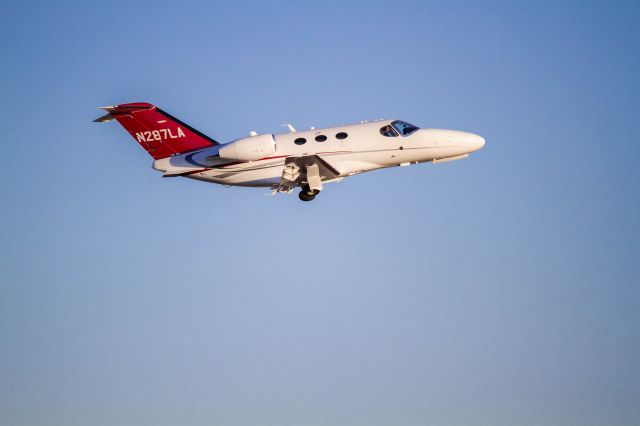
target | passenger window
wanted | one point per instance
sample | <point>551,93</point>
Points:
<point>300,141</point>
<point>341,135</point>
<point>388,131</point>
<point>321,138</point>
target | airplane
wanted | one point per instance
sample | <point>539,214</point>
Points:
<point>283,162</point>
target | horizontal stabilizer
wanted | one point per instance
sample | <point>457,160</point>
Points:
<point>104,118</point>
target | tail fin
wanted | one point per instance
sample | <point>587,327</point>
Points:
<point>160,134</point>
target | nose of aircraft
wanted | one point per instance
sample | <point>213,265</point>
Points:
<point>475,142</point>
<point>463,142</point>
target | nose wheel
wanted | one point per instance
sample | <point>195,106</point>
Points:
<point>307,194</point>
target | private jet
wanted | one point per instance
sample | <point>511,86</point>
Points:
<point>283,162</point>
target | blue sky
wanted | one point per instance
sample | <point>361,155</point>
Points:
<point>499,290</point>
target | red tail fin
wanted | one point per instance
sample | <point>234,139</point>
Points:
<point>156,131</point>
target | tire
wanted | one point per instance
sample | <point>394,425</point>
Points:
<point>305,196</point>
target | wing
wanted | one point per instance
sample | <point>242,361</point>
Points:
<point>307,170</point>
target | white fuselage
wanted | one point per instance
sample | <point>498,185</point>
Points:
<point>364,148</point>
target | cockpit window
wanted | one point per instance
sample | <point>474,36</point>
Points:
<point>404,128</point>
<point>388,131</point>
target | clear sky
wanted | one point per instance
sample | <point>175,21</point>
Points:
<point>502,289</point>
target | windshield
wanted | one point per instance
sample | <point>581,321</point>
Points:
<point>404,128</point>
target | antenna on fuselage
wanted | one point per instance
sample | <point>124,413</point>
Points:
<point>290,126</point>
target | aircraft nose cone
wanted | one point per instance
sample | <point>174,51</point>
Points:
<point>475,142</point>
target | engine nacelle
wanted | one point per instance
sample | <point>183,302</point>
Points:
<point>249,149</point>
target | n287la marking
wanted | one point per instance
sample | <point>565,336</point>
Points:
<point>158,135</point>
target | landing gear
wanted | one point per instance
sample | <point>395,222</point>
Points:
<point>306,194</point>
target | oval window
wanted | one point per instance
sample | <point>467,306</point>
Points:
<point>300,141</point>
<point>341,135</point>
<point>321,138</point>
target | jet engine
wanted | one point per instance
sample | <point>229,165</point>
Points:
<point>249,149</point>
